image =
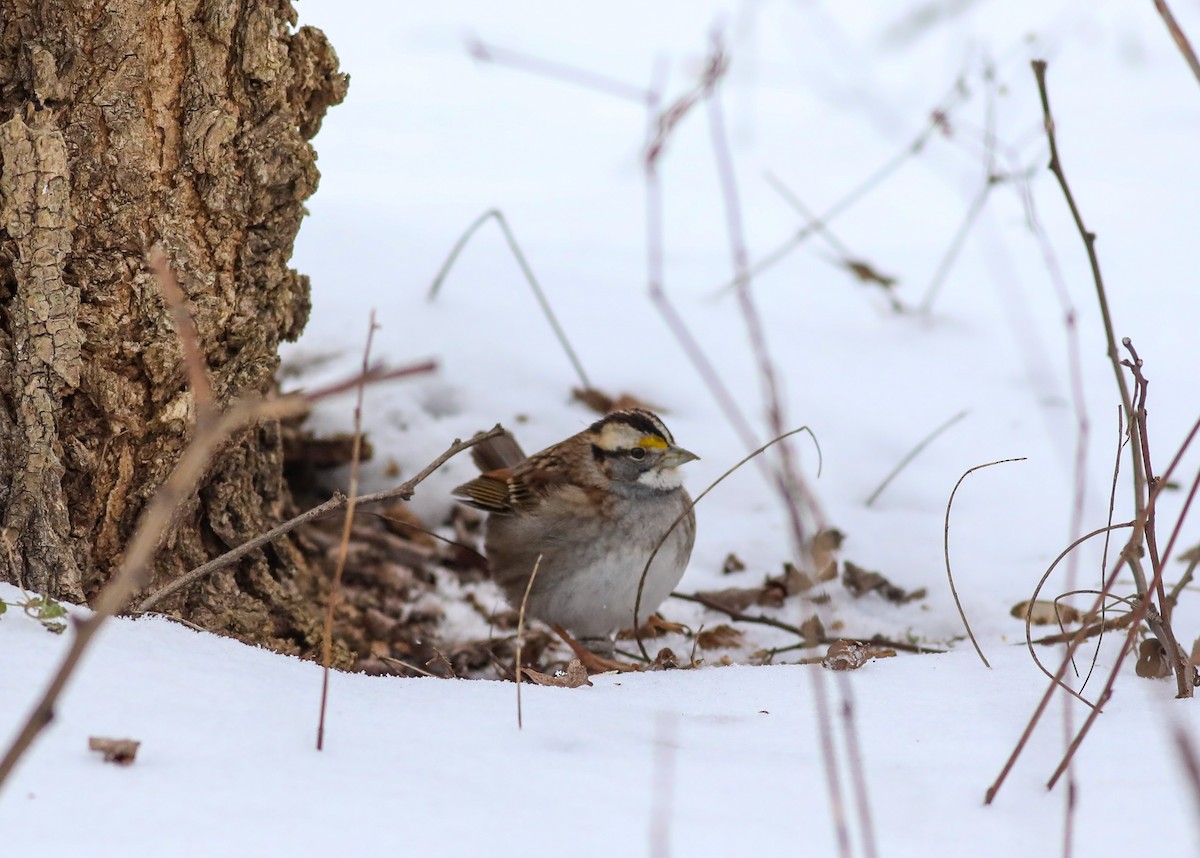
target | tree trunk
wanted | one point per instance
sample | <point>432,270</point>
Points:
<point>123,124</point>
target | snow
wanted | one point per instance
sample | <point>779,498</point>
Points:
<point>821,97</point>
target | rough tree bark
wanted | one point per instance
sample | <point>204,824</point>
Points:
<point>122,124</point>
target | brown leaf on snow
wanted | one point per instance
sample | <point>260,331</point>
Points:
<point>860,581</point>
<point>719,637</point>
<point>732,564</point>
<point>602,403</point>
<point>790,583</point>
<point>573,677</point>
<point>665,660</point>
<point>865,272</point>
<point>813,630</point>
<point>1044,613</point>
<point>734,599</point>
<point>845,655</point>
<point>120,751</point>
<point>1152,660</point>
<point>825,546</point>
<point>655,627</point>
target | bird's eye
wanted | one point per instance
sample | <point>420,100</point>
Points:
<point>638,453</point>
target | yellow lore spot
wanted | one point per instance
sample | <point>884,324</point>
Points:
<point>652,442</point>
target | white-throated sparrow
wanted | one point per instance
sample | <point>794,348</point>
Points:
<point>593,507</point>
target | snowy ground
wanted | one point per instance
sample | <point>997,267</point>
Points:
<point>717,761</point>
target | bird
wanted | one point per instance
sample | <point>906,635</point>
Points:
<point>587,512</point>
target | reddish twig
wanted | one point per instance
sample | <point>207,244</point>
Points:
<point>1177,34</point>
<point>344,546</point>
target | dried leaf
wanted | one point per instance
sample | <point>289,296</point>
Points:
<point>402,521</point>
<point>573,677</point>
<point>734,599</point>
<point>1044,613</point>
<point>655,627</point>
<point>790,583</point>
<point>719,637</point>
<point>867,274</point>
<point>845,655</point>
<point>813,630</point>
<point>665,660</point>
<point>825,546</point>
<point>732,564</point>
<point>120,751</point>
<point>602,403</point>
<point>1152,660</point>
<point>860,581</point>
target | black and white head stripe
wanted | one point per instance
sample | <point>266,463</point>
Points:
<point>642,422</point>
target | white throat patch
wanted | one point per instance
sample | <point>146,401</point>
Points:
<point>661,478</point>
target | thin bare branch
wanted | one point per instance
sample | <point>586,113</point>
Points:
<point>1089,243</point>
<point>404,491</point>
<point>1037,591</point>
<point>913,453</point>
<point>1177,34</point>
<point>624,90</point>
<point>637,604</point>
<point>335,586</point>
<point>153,524</point>
<point>526,270</point>
<point>185,332</point>
<point>517,666</point>
<point>946,551</point>
<point>1189,760</point>
<point>1140,612</point>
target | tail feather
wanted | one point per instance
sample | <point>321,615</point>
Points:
<point>503,451</point>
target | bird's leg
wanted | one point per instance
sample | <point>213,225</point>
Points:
<point>594,662</point>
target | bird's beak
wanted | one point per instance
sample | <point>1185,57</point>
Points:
<point>676,456</point>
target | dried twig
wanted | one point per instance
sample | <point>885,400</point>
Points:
<point>404,491</point>
<point>1129,552</point>
<point>990,179</point>
<point>946,551</point>
<point>796,496</point>
<point>526,270</point>
<point>517,666</point>
<point>740,617</point>
<point>913,453</point>
<point>1181,40</point>
<point>185,332</point>
<point>1089,242</point>
<point>936,122</point>
<point>845,257</point>
<point>637,604</point>
<point>1075,635</point>
<point>485,52</point>
<point>1189,760</point>
<point>152,526</point>
<point>344,546</point>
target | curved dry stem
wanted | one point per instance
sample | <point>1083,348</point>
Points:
<point>946,552</point>
<point>537,564</point>
<point>1038,589</point>
<point>529,278</point>
<point>637,604</point>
